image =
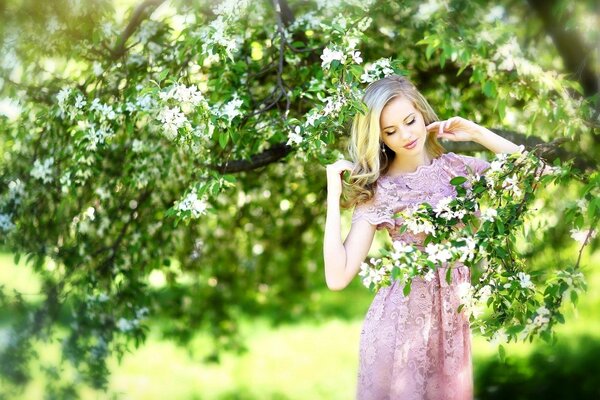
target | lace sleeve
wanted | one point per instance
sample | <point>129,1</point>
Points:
<point>377,211</point>
<point>468,164</point>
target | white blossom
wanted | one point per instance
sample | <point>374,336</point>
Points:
<point>525,280</point>
<point>231,109</point>
<point>426,10</point>
<point>429,275</point>
<point>356,57</point>
<point>489,214</point>
<point>172,119</point>
<point>582,235</point>
<point>125,325</point>
<point>329,56</point>
<point>294,136</point>
<point>5,223</point>
<point>62,96</point>
<point>379,69</point>
<point>512,184</point>
<point>43,170</point>
<point>79,101</point>
<point>183,94</point>
<point>192,203</point>
<point>16,190</point>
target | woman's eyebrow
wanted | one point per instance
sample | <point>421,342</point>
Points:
<point>402,120</point>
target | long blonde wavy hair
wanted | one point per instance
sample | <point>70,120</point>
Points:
<point>365,148</point>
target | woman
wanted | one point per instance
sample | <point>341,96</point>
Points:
<point>416,346</point>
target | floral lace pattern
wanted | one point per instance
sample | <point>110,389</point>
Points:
<point>417,346</point>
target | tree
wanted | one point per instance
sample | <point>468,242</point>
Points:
<point>187,139</point>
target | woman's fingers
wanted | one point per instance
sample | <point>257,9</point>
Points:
<point>441,128</point>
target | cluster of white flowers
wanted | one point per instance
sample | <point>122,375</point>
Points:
<point>416,226</point>
<point>104,111</point>
<point>148,29</point>
<point>308,21</point>
<point>232,9</point>
<point>329,56</point>
<point>512,184</point>
<point>508,54</point>
<point>499,336</point>
<point>583,236</point>
<point>294,136</point>
<point>467,252</point>
<point>5,223</point>
<point>539,322</point>
<point>442,209</point>
<point>184,94</point>
<point>379,69</point>
<point>172,119</point>
<point>62,96</point>
<point>192,203</point>
<point>465,292</point>
<point>426,10</point>
<point>525,280</point>
<point>100,297</point>
<point>231,109</point>
<point>16,190</point>
<point>218,31</point>
<point>142,103</point>
<point>125,325</point>
<point>438,252</point>
<point>97,135</point>
<point>371,273</point>
<point>43,170</point>
<point>489,214</point>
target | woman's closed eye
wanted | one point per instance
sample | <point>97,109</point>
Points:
<point>392,132</point>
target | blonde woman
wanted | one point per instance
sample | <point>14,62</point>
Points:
<point>416,346</point>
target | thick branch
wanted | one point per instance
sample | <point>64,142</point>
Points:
<point>550,151</point>
<point>274,154</point>
<point>142,12</point>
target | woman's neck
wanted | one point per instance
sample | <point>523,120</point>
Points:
<point>406,164</point>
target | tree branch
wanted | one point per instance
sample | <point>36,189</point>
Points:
<point>550,151</point>
<point>142,12</point>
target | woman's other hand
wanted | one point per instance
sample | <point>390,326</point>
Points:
<point>334,176</point>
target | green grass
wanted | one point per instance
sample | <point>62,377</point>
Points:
<point>310,360</point>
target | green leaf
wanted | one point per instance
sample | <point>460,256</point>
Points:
<point>501,353</point>
<point>163,74</point>
<point>223,139</point>
<point>500,226</point>
<point>406,289</point>
<point>574,297</point>
<point>458,180</point>
<point>429,51</point>
<point>489,89</point>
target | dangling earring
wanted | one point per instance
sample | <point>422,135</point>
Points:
<point>383,149</point>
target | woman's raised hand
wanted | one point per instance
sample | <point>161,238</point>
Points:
<point>455,129</point>
<point>334,176</point>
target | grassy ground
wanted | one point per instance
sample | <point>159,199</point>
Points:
<point>307,361</point>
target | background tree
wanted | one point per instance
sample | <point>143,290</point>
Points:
<point>187,140</point>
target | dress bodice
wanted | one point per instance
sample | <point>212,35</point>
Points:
<point>428,183</point>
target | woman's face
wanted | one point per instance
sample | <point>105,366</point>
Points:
<point>402,125</point>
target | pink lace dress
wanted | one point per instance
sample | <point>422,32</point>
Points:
<point>416,346</point>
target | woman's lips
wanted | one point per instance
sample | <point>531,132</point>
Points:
<point>411,144</point>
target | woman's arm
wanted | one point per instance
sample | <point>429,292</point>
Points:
<point>493,142</point>
<point>458,129</point>
<point>342,260</point>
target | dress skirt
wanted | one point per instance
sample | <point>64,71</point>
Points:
<point>417,347</point>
